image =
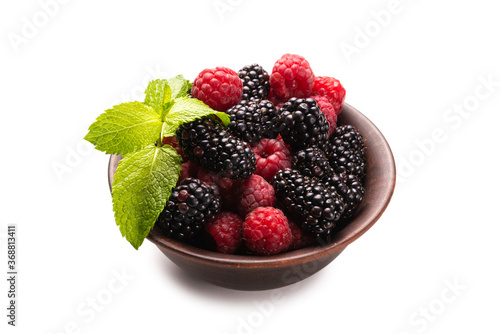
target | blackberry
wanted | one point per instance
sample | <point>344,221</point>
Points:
<point>312,162</point>
<point>346,151</point>
<point>318,209</point>
<point>302,124</point>
<point>253,120</point>
<point>190,205</point>
<point>350,188</point>
<point>255,82</point>
<point>206,142</point>
<point>351,136</point>
<point>354,194</point>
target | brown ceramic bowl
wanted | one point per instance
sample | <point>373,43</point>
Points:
<point>244,272</point>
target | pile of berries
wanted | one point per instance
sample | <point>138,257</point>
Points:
<point>280,177</point>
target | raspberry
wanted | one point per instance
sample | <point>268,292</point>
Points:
<point>300,238</point>
<point>329,111</point>
<point>253,193</point>
<point>172,141</point>
<point>266,231</point>
<point>292,76</point>
<point>221,185</point>
<point>226,229</point>
<point>189,169</point>
<point>220,88</point>
<point>332,89</point>
<point>272,155</point>
<point>274,100</point>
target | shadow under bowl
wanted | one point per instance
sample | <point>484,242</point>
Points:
<point>247,272</point>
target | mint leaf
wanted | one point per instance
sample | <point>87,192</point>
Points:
<point>157,94</point>
<point>179,86</point>
<point>141,187</point>
<point>186,109</point>
<point>125,128</point>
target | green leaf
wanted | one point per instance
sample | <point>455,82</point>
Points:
<point>157,94</point>
<point>179,86</point>
<point>186,109</point>
<point>125,128</point>
<point>141,187</point>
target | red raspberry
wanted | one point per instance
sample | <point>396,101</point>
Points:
<point>271,156</point>
<point>226,229</point>
<point>220,88</point>
<point>222,185</point>
<point>300,238</point>
<point>172,141</point>
<point>327,109</point>
<point>266,231</point>
<point>189,169</point>
<point>252,193</point>
<point>292,76</point>
<point>332,89</point>
<point>275,101</point>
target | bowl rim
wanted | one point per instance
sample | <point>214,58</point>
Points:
<point>295,256</point>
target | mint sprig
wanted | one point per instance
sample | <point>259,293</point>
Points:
<point>139,189</point>
<point>125,128</point>
<point>149,170</point>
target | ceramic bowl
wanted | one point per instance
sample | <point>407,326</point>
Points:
<point>245,272</point>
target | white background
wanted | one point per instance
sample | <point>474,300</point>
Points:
<point>407,75</point>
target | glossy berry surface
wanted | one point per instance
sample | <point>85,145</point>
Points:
<point>255,82</point>
<point>317,209</point>
<point>302,124</point>
<point>189,207</point>
<point>207,143</point>
<point>253,120</point>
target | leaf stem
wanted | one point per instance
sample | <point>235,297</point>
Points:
<point>160,140</point>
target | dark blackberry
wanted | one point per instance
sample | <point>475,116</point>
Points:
<point>190,205</point>
<point>253,120</point>
<point>206,142</point>
<point>354,195</point>
<point>350,188</point>
<point>255,82</point>
<point>312,162</point>
<point>352,137</point>
<point>302,124</point>
<point>318,209</point>
<point>346,151</point>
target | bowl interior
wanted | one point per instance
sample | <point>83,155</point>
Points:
<point>379,185</point>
